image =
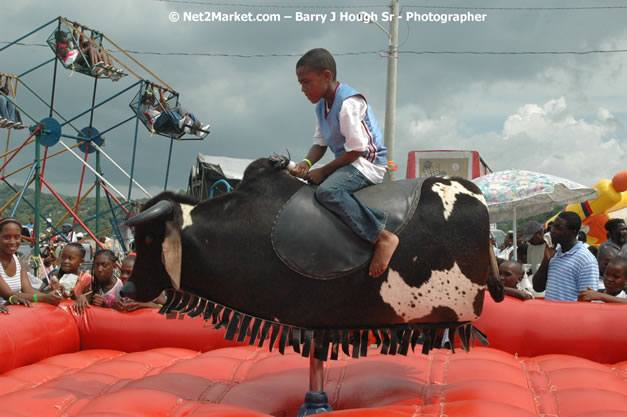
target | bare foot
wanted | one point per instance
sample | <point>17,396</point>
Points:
<point>383,251</point>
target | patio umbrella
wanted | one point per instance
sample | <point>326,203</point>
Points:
<point>517,193</point>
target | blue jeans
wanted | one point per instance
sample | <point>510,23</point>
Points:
<point>7,109</point>
<point>336,194</point>
<point>174,114</point>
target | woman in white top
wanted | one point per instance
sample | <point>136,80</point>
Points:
<point>15,287</point>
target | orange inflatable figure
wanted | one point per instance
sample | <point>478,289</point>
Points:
<point>593,213</point>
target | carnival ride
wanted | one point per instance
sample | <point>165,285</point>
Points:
<point>553,358</point>
<point>76,48</point>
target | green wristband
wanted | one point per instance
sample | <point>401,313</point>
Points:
<point>35,297</point>
<point>11,301</point>
<point>308,162</point>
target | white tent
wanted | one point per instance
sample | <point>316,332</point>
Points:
<point>210,169</point>
<point>231,168</point>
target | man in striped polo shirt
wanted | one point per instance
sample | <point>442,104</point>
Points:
<point>571,268</point>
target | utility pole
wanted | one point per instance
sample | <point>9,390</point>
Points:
<point>390,101</point>
<point>390,98</point>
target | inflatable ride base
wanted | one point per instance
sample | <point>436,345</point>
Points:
<point>244,381</point>
<point>110,364</point>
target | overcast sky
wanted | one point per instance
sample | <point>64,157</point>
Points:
<point>554,112</point>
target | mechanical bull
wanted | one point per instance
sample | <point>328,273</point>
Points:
<point>267,262</point>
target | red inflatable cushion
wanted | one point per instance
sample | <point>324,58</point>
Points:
<point>245,381</point>
<point>31,334</point>
<point>539,327</point>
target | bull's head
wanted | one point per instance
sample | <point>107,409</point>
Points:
<point>157,237</point>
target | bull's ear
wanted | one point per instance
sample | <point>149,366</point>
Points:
<point>171,252</point>
<point>279,161</point>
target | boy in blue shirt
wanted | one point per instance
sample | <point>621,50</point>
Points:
<point>347,125</point>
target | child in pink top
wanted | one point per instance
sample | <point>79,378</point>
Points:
<point>65,48</point>
<point>106,287</point>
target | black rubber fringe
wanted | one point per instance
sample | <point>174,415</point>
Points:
<point>392,340</point>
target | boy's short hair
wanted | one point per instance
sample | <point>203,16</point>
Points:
<point>318,60</point>
<point>572,219</point>
<point>516,264</point>
<point>619,261</point>
<point>129,258</point>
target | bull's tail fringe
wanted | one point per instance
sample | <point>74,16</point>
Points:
<point>353,342</point>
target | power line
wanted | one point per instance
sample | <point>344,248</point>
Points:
<point>333,6</point>
<point>596,51</point>
<point>379,52</point>
<point>518,8</point>
<point>276,6</point>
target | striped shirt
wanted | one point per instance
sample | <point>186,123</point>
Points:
<point>571,272</point>
<point>14,282</point>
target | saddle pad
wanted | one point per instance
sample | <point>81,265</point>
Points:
<point>314,242</point>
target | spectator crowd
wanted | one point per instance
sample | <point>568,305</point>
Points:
<point>557,263</point>
<point>64,270</point>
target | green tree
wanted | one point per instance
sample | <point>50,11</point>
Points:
<point>53,209</point>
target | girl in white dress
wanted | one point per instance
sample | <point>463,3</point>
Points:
<point>15,287</point>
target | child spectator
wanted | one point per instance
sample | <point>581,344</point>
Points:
<point>346,124</point>
<point>511,273</point>
<point>106,287</point>
<point>614,279</point>
<point>71,282</point>
<point>47,264</point>
<point>605,255</point>
<point>15,286</point>
<point>127,268</point>
<point>127,304</point>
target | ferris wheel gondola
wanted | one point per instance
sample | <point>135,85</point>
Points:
<point>164,115</point>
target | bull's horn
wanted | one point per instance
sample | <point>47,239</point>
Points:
<point>161,209</point>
